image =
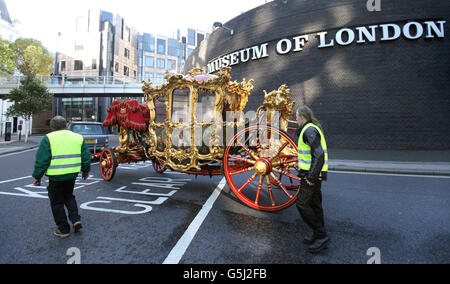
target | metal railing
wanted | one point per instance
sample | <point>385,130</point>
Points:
<point>74,81</point>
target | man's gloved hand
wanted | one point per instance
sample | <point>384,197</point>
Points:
<point>85,175</point>
<point>37,182</point>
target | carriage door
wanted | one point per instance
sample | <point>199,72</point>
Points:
<point>204,118</point>
<point>181,119</point>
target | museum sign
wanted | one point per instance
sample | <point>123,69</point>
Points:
<point>365,34</point>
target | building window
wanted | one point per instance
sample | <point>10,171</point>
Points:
<point>161,46</point>
<point>200,38</point>
<point>116,67</point>
<point>171,64</point>
<point>94,64</point>
<point>191,37</point>
<point>62,66</point>
<point>160,63</point>
<point>78,65</point>
<point>127,34</point>
<point>189,51</point>
<point>149,76</point>
<point>126,71</point>
<point>79,47</point>
<point>149,61</point>
<point>148,43</point>
<point>127,53</point>
<point>159,79</point>
<point>173,47</point>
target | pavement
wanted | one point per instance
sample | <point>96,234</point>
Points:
<point>436,163</point>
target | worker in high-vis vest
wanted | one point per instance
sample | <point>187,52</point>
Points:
<point>62,155</point>
<point>313,165</point>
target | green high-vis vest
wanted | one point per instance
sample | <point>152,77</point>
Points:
<point>304,150</point>
<point>66,152</point>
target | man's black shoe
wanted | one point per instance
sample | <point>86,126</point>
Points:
<point>319,245</point>
<point>77,226</point>
<point>60,234</point>
<point>309,240</point>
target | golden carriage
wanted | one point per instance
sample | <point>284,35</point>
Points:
<point>195,124</point>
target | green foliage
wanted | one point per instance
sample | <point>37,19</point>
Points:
<point>7,58</point>
<point>31,97</point>
<point>32,57</point>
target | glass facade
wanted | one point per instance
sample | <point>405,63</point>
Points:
<point>149,61</point>
<point>160,63</point>
<point>161,46</point>
<point>78,109</point>
<point>171,64</point>
<point>191,37</point>
<point>159,79</point>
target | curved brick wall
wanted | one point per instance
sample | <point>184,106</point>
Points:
<point>391,94</point>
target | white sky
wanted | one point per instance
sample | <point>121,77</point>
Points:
<point>43,19</point>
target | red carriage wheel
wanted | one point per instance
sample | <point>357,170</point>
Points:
<point>254,160</point>
<point>288,167</point>
<point>158,166</point>
<point>108,164</point>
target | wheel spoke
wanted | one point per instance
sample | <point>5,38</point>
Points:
<point>281,185</point>
<point>287,162</point>
<point>250,152</point>
<point>259,189</point>
<point>269,187</point>
<point>242,159</point>
<point>286,174</point>
<point>241,171</point>
<point>248,182</point>
<point>279,151</point>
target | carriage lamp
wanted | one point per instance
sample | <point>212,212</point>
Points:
<point>220,25</point>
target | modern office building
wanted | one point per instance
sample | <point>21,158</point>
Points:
<point>105,47</point>
<point>160,54</point>
<point>157,55</point>
<point>102,47</point>
<point>375,79</point>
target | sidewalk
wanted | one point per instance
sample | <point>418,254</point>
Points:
<point>435,163</point>
<point>13,146</point>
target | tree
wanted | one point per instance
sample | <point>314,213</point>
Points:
<point>7,58</point>
<point>32,57</point>
<point>30,98</point>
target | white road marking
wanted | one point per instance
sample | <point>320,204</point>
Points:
<point>388,174</point>
<point>183,243</point>
<point>21,152</point>
<point>11,180</point>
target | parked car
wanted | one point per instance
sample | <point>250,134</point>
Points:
<point>93,133</point>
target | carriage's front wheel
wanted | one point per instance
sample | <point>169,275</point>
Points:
<point>108,164</point>
<point>254,160</point>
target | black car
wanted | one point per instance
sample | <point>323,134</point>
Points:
<point>93,133</point>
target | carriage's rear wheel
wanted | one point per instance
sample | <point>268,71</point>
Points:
<point>254,161</point>
<point>284,177</point>
<point>108,164</point>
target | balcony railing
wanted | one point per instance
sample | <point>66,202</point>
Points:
<point>74,81</point>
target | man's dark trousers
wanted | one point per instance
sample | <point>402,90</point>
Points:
<point>309,204</point>
<point>60,194</point>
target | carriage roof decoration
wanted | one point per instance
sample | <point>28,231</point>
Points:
<point>262,156</point>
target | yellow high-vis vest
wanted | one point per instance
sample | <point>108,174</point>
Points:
<point>304,150</point>
<point>66,152</point>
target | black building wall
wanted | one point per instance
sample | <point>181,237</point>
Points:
<point>382,95</point>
